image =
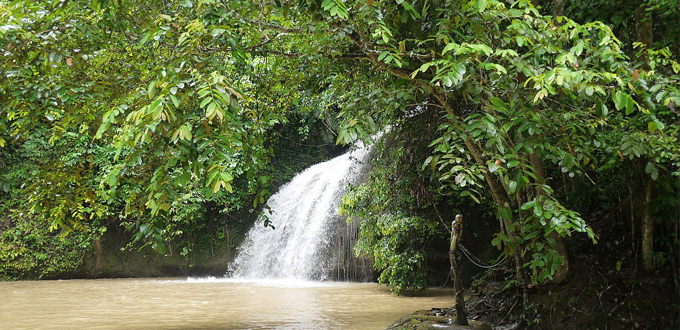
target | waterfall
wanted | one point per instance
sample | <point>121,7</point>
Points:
<point>308,240</point>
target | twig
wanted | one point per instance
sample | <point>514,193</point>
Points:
<point>599,297</point>
<point>511,308</point>
<point>611,311</point>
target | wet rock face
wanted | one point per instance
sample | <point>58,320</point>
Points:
<point>107,260</point>
<point>345,265</point>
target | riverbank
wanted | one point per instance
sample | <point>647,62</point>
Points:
<point>435,318</point>
<point>606,289</point>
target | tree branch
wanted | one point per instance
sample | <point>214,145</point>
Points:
<point>279,28</point>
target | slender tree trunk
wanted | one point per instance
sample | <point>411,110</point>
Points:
<point>455,256</point>
<point>645,34</point>
<point>633,223</point>
<point>498,191</point>
<point>500,196</point>
<point>648,228</point>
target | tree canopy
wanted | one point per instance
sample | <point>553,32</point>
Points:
<point>137,103</point>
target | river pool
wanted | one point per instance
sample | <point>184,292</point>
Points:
<point>206,303</point>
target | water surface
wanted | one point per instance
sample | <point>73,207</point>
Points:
<point>205,304</point>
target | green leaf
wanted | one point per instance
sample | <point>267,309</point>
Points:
<point>512,187</point>
<point>480,5</point>
<point>144,39</point>
<point>492,166</point>
<point>327,4</point>
<point>496,242</point>
<point>498,103</point>
<point>174,100</point>
<point>624,100</point>
<point>589,90</point>
<point>159,247</point>
<point>651,126</point>
<point>204,92</point>
<point>164,206</point>
<point>206,101</point>
<point>450,46</point>
<point>539,246</point>
<point>447,81</point>
<point>156,108</point>
<point>210,111</point>
<point>619,100</point>
<point>538,209</point>
<point>428,161</point>
<point>528,205</point>
<point>226,176</point>
<point>630,105</point>
<point>217,32</point>
<point>184,178</point>
<point>513,163</point>
<point>185,132</point>
<point>649,167</point>
<point>112,179</point>
<point>145,229</point>
<point>652,170</point>
<point>578,48</point>
<point>151,89</point>
<point>505,213</point>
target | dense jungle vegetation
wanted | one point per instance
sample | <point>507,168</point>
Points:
<point>175,120</point>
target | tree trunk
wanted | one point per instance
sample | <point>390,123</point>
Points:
<point>645,34</point>
<point>498,191</point>
<point>633,223</point>
<point>643,27</point>
<point>500,196</point>
<point>648,228</point>
<point>455,256</point>
<point>643,30</point>
<point>558,7</point>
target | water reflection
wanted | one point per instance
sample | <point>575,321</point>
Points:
<point>204,303</point>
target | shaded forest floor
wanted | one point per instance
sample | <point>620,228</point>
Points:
<point>594,297</point>
<point>606,289</point>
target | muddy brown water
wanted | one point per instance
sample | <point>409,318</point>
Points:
<point>206,304</point>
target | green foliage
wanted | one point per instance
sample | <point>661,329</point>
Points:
<point>622,19</point>
<point>30,250</point>
<point>396,226</point>
<point>169,107</point>
<point>177,102</point>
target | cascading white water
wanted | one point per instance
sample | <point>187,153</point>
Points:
<point>304,214</point>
